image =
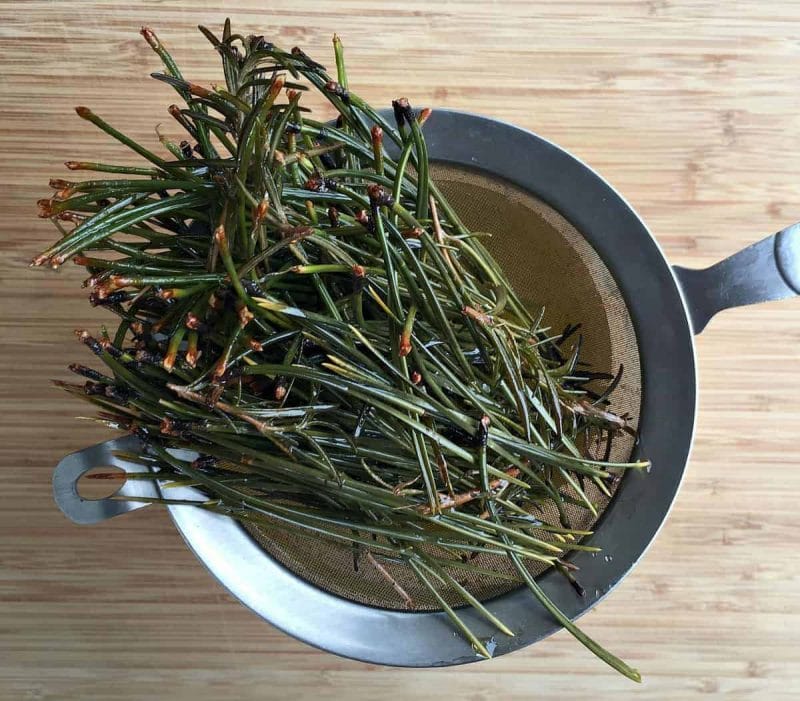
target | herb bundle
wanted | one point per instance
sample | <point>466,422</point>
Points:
<point>301,308</point>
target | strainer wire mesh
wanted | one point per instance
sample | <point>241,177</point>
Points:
<point>552,266</point>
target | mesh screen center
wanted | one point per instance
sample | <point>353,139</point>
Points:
<point>550,265</point>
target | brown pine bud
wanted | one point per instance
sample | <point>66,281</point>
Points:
<point>221,238</point>
<point>59,184</point>
<point>479,316</point>
<point>245,316</point>
<point>379,196</point>
<point>45,208</point>
<point>193,322</point>
<point>482,436</point>
<point>280,389</point>
<point>319,183</point>
<point>192,355</point>
<point>150,38</point>
<point>71,217</point>
<point>219,370</point>
<point>402,111</point>
<point>336,89</point>
<point>169,360</point>
<point>261,211</point>
<point>333,215</point>
<point>198,90</point>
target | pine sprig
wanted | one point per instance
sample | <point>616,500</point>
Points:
<point>310,316</point>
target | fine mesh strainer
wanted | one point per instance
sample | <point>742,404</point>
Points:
<point>569,242</point>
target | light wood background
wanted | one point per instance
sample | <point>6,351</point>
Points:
<point>690,108</point>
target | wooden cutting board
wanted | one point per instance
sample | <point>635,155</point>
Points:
<point>690,108</point>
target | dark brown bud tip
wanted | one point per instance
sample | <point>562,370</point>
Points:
<point>70,217</point>
<point>60,184</point>
<point>83,112</point>
<point>219,371</point>
<point>169,363</point>
<point>378,195</point>
<point>191,357</point>
<point>423,115</point>
<point>414,233</point>
<point>150,38</point>
<point>81,260</point>
<point>336,89</point>
<point>86,338</point>
<point>477,315</point>
<point>319,183</point>
<point>293,95</point>
<point>405,346</point>
<point>41,259</point>
<point>193,322</point>
<point>416,378</point>
<point>402,111</point>
<point>117,281</point>
<point>280,390</point>
<point>359,271</point>
<point>245,316</point>
<point>313,184</point>
<point>220,237</point>
<point>73,165</point>
<point>277,86</point>
<point>482,436</point>
<point>45,208</point>
<point>198,90</point>
<point>377,135</point>
<point>363,218</point>
<point>261,211</point>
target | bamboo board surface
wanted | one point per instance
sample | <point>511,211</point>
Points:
<point>688,107</point>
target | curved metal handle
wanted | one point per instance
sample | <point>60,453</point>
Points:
<point>75,465</point>
<point>767,270</point>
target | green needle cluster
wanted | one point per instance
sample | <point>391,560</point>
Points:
<point>300,307</point>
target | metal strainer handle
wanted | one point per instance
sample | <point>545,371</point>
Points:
<point>75,465</point>
<point>767,270</point>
